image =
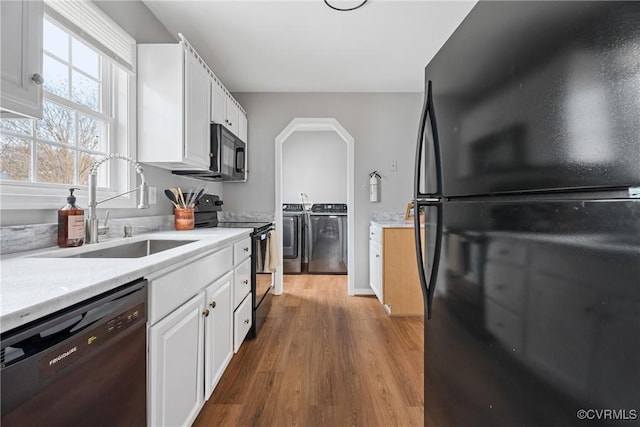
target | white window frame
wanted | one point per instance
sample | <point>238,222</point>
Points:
<point>122,133</point>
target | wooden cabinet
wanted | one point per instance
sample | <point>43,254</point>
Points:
<point>173,107</point>
<point>393,270</point>
<point>218,332</point>
<point>175,365</point>
<point>21,58</point>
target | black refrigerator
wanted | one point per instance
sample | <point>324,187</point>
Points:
<point>528,179</point>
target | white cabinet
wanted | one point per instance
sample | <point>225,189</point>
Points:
<point>21,58</point>
<point>225,110</point>
<point>191,333</point>
<point>242,302</point>
<point>173,107</point>
<point>375,268</point>
<point>241,322</point>
<point>218,331</point>
<point>175,365</point>
<point>196,100</point>
<point>242,282</point>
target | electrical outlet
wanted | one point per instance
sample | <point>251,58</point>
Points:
<point>153,198</point>
<point>394,166</point>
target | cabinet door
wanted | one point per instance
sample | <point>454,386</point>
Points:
<point>233,115</point>
<point>242,126</point>
<point>218,332</point>
<point>218,103</point>
<point>196,114</point>
<point>21,60</point>
<point>375,269</point>
<point>175,365</point>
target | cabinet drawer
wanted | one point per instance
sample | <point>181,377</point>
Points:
<point>505,284</point>
<point>506,250</point>
<point>241,282</point>
<point>169,290</point>
<point>241,323</point>
<point>375,234</point>
<point>241,250</point>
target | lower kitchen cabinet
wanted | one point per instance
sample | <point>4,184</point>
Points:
<point>175,365</point>
<point>218,332</point>
<point>191,334</point>
<point>393,270</point>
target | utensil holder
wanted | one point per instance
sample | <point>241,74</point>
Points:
<point>184,219</point>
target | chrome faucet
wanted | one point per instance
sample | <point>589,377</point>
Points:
<point>92,221</point>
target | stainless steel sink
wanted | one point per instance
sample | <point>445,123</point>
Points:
<point>132,250</point>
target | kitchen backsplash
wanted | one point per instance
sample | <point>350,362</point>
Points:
<point>245,216</point>
<point>22,238</point>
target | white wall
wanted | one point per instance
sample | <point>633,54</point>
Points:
<point>314,163</point>
<point>384,126</point>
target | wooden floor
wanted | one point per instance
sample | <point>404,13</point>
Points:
<point>324,359</point>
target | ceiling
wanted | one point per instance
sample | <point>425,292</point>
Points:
<point>304,46</point>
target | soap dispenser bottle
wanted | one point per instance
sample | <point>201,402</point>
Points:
<point>70,223</point>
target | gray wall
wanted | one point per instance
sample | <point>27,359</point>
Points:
<point>314,163</point>
<point>384,127</point>
<point>135,18</point>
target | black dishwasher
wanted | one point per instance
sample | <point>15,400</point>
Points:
<point>85,365</point>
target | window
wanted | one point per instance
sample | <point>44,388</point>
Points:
<point>87,113</point>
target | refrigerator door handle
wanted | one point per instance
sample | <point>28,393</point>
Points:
<point>428,288</point>
<point>428,113</point>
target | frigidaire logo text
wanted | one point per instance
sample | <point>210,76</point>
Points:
<point>62,356</point>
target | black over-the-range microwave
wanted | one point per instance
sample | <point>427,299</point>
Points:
<point>228,157</point>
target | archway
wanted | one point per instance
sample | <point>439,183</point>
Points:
<point>315,125</point>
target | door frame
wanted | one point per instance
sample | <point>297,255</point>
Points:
<point>317,124</point>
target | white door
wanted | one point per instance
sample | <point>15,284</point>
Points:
<point>196,115</point>
<point>175,365</point>
<point>233,115</point>
<point>375,269</point>
<point>218,332</point>
<point>218,103</point>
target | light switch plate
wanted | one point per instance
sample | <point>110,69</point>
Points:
<point>394,166</point>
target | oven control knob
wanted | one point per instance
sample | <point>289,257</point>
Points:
<point>213,304</point>
<point>205,313</point>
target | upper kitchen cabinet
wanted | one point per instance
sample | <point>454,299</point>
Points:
<point>173,106</point>
<point>21,58</point>
<point>225,110</point>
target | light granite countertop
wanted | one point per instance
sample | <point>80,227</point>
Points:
<point>33,285</point>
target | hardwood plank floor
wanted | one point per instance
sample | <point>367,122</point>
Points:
<point>324,358</point>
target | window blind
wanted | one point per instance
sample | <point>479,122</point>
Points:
<point>94,26</point>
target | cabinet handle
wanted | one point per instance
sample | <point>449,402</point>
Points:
<point>213,304</point>
<point>205,313</point>
<point>377,256</point>
<point>230,124</point>
<point>246,249</point>
<point>246,321</point>
<point>245,281</point>
<point>38,79</point>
